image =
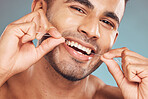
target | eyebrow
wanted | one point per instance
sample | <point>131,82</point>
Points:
<point>111,15</point>
<point>83,2</point>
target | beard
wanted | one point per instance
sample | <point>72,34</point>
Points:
<point>66,69</point>
<point>67,66</point>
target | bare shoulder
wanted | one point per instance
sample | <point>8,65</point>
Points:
<point>4,91</point>
<point>103,91</point>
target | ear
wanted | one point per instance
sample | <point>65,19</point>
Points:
<point>117,33</point>
<point>39,4</point>
<point>114,38</point>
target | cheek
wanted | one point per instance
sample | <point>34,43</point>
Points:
<point>105,41</point>
<point>65,21</point>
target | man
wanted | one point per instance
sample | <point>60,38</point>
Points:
<point>82,33</point>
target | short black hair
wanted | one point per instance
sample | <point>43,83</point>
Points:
<point>47,1</point>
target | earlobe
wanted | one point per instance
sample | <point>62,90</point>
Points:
<point>39,4</point>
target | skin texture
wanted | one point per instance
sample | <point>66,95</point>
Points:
<point>26,74</point>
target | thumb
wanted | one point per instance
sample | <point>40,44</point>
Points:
<point>47,45</point>
<point>114,69</point>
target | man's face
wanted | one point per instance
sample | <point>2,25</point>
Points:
<point>89,27</point>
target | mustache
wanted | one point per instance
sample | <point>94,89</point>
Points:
<point>80,36</point>
<point>74,34</point>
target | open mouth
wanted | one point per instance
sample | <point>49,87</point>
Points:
<point>79,50</point>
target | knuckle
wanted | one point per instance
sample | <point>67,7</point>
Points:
<point>124,48</point>
<point>10,27</point>
<point>126,58</point>
<point>125,52</point>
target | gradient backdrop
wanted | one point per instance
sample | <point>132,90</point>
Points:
<point>133,28</point>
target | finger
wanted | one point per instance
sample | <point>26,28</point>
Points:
<point>13,35</point>
<point>52,31</point>
<point>28,18</point>
<point>133,60</point>
<point>121,52</point>
<point>30,34</point>
<point>42,24</point>
<point>135,73</point>
<point>19,30</point>
<point>131,53</point>
<point>114,53</point>
<point>47,45</point>
<point>47,27</point>
<point>114,69</point>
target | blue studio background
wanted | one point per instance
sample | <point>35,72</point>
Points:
<point>133,28</point>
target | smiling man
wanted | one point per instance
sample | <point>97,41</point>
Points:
<point>75,37</point>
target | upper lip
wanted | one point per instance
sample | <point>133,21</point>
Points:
<point>87,45</point>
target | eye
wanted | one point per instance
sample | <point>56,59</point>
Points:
<point>78,9</point>
<point>108,23</point>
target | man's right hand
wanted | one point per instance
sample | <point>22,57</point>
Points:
<point>17,52</point>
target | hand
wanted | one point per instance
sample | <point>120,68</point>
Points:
<point>17,52</point>
<point>133,80</point>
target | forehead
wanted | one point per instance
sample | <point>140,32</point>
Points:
<point>116,6</point>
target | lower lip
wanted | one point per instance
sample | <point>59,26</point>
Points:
<point>75,54</point>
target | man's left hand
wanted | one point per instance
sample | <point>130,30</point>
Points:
<point>133,78</point>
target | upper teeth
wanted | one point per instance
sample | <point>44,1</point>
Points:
<point>75,44</point>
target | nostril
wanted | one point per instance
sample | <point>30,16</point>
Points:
<point>91,35</point>
<point>83,32</point>
<point>94,37</point>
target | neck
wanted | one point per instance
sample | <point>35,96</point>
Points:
<point>46,77</point>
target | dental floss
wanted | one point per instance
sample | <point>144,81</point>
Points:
<point>117,60</point>
<point>47,34</point>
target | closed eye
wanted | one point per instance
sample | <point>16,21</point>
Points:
<point>78,9</point>
<point>108,23</point>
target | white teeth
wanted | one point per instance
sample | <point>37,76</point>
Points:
<point>84,49</point>
<point>68,42</point>
<point>88,51</point>
<point>79,52</point>
<point>75,44</point>
<point>80,46</point>
<point>72,43</point>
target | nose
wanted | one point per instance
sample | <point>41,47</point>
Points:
<point>90,27</point>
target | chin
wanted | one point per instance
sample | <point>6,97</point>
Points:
<point>68,67</point>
